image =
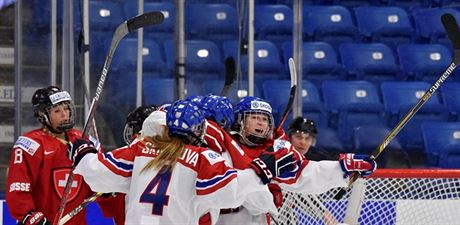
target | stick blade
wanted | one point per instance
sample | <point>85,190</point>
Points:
<point>450,25</point>
<point>146,19</point>
<point>292,72</point>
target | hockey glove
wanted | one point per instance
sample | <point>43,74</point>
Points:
<point>361,164</point>
<point>34,218</point>
<point>80,148</point>
<point>271,164</point>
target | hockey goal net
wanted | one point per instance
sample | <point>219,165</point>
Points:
<point>390,196</point>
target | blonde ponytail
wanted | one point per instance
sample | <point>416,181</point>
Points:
<point>169,150</point>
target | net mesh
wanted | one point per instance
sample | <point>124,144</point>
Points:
<point>390,197</point>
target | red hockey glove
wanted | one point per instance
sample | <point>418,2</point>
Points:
<point>362,164</point>
<point>34,218</point>
<point>80,148</point>
<point>270,164</point>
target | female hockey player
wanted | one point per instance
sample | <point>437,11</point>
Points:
<point>39,164</point>
<point>252,134</point>
<point>169,181</point>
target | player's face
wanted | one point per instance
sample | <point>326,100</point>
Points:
<point>257,124</point>
<point>59,114</point>
<point>302,142</point>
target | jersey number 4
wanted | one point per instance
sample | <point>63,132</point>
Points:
<point>155,192</point>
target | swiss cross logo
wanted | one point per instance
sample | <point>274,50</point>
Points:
<point>60,177</point>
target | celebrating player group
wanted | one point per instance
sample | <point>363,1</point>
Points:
<point>200,160</point>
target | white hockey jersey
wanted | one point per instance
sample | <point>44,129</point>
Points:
<point>200,182</point>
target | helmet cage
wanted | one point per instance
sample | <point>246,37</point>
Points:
<point>253,137</point>
<point>45,99</point>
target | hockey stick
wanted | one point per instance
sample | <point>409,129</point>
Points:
<point>150,18</point>
<point>293,72</point>
<point>229,75</point>
<point>453,32</point>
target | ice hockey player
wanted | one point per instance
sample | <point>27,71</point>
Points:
<point>252,134</point>
<point>39,164</point>
<point>169,181</point>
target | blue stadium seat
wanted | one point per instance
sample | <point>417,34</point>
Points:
<point>442,144</point>
<point>410,5</point>
<point>105,15</point>
<point>399,98</point>
<point>273,22</point>
<point>238,90</point>
<point>367,138</point>
<point>328,139</point>
<point>276,92</point>
<point>211,21</point>
<point>267,62</point>
<point>333,24</point>
<point>428,25</point>
<point>374,62</point>
<point>450,93</point>
<point>125,57</point>
<point>161,31</point>
<point>352,104</point>
<point>319,61</point>
<point>388,25</point>
<point>203,59</point>
<point>423,61</point>
<point>158,91</point>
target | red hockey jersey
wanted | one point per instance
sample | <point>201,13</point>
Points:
<point>37,175</point>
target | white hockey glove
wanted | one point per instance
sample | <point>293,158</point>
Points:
<point>361,164</point>
<point>271,164</point>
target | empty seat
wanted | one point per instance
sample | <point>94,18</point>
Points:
<point>202,61</point>
<point>411,5</point>
<point>352,104</point>
<point>388,25</point>
<point>319,61</point>
<point>367,138</point>
<point>373,62</point>
<point>276,92</point>
<point>442,144</point>
<point>428,25</point>
<point>423,61</point>
<point>273,22</point>
<point>450,93</point>
<point>105,15</point>
<point>333,24</point>
<point>158,91</point>
<point>399,98</point>
<point>125,57</point>
<point>267,62</point>
<point>211,21</point>
<point>328,139</point>
<point>238,90</point>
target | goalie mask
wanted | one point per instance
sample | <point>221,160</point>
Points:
<point>46,99</point>
<point>134,122</point>
<point>186,121</point>
<point>254,120</point>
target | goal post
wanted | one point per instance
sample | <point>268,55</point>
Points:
<point>389,196</point>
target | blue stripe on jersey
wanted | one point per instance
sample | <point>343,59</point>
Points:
<point>289,175</point>
<point>117,163</point>
<point>202,184</point>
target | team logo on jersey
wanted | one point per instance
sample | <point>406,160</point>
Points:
<point>60,177</point>
<point>212,156</point>
<point>27,144</point>
<point>280,143</point>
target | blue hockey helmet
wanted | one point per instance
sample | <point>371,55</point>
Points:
<point>256,109</point>
<point>186,120</point>
<point>219,109</point>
